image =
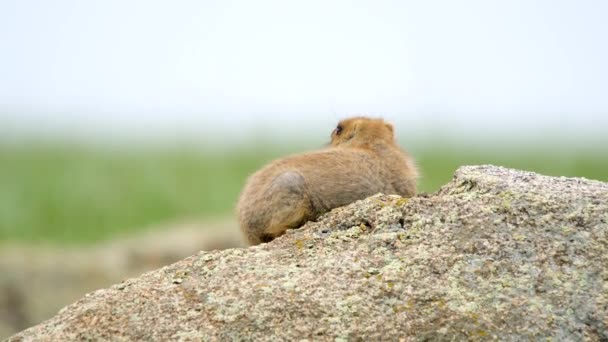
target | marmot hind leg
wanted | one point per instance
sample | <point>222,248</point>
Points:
<point>290,203</point>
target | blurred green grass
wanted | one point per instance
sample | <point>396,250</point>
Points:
<point>69,194</point>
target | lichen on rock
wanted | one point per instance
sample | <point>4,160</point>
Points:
<point>494,254</point>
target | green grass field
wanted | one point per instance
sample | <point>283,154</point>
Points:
<point>68,194</point>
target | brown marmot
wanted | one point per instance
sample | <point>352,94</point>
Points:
<point>363,159</point>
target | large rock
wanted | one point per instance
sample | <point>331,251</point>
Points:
<point>495,254</point>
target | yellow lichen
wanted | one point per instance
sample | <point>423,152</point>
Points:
<point>402,201</point>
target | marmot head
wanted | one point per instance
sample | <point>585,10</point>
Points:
<point>362,131</point>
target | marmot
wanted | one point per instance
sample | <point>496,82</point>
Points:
<point>362,159</point>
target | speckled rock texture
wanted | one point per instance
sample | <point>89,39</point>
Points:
<point>496,254</point>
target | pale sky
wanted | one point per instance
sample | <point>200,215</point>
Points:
<point>215,68</point>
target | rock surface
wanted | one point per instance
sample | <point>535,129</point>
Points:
<point>38,280</point>
<point>495,254</point>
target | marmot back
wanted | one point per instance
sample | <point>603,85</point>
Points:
<point>362,160</point>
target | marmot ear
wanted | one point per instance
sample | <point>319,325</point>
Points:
<point>355,130</point>
<point>390,127</point>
